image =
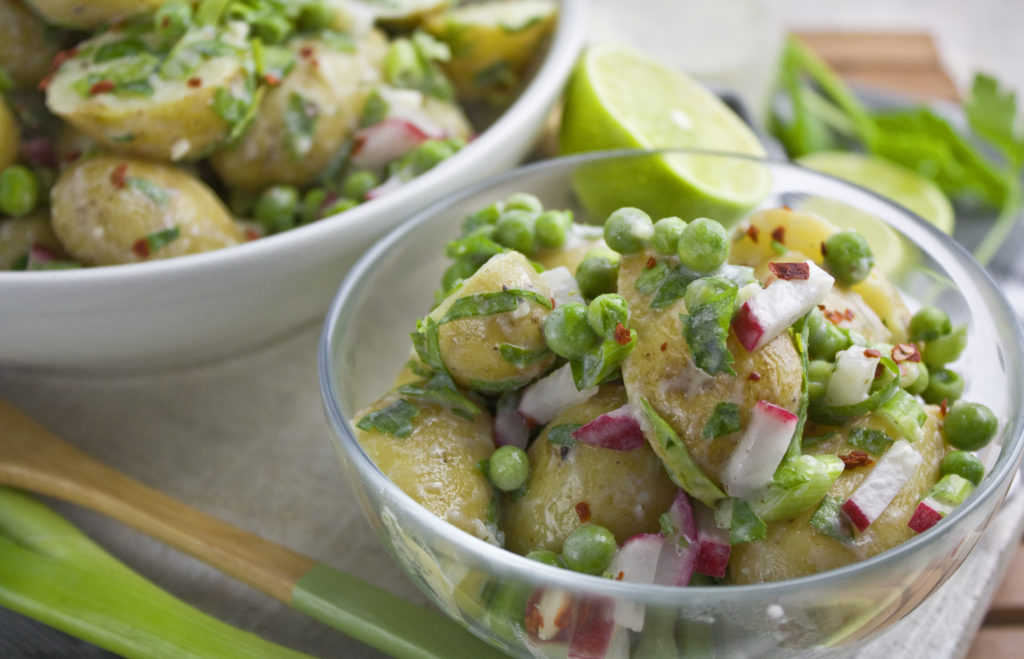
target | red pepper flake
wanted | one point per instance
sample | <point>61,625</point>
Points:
<point>664,346</point>
<point>117,176</point>
<point>879,369</point>
<point>824,250</point>
<point>251,234</point>
<point>855,459</point>
<point>552,300</point>
<point>622,336</point>
<point>583,511</point>
<point>905,352</point>
<point>872,352</point>
<point>620,576</point>
<point>102,87</point>
<point>786,208</point>
<point>779,234</point>
<point>195,81</point>
<point>72,156</point>
<point>272,79</point>
<point>943,406</point>
<point>166,22</point>
<point>306,51</point>
<point>790,271</point>
<point>141,248</point>
<point>753,232</point>
<point>754,376</point>
<point>835,317</point>
<point>651,262</point>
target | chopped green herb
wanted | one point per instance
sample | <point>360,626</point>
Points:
<point>127,137</point>
<point>375,110</point>
<point>561,435</point>
<point>519,356</point>
<point>395,419</point>
<point>723,420</point>
<point>441,389</point>
<point>678,462</point>
<point>300,120</point>
<point>710,301</point>
<point>651,279</point>
<point>155,192</point>
<point>813,440</point>
<point>673,287</point>
<point>339,41</point>
<point>871,440</point>
<point>425,341</point>
<point>829,520</point>
<point>746,526</point>
<point>238,111</point>
<point>602,363</point>
<point>486,304</point>
<point>162,238</point>
<point>117,49</point>
<point>475,247</point>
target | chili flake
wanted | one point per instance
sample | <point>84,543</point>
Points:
<point>779,234</point>
<point>195,81</point>
<point>835,317</point>
<point>788,271</point>
<point>651,262</point>
<point>905,352</point>
<point>583,511</point>
<point>943,406</point>
<point>141,248</point>
<point>306,51</point>
<point>824,250</point>
<point>251,234</point>
<point>622,336</point>
<point>753,232</point>
<point>754,376</point>
<point>664,346</point>
<point>102,87</point>
<point>117,176</point>
<point>872,352</point>
<point>855,459</point>
<point>272,79</point>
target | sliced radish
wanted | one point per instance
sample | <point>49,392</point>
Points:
<point>636,561</point>
<point>546,398</point>
<point>389,185</point>
<point>595,634</point>
<point>617,430</point>
<point>548,613</point>
<point>713,546</point>
<point>679,553</point>
<point>377,145</point>
<point>777,306</point>
<point>760,450</point>
<point>927,514</point>
<point>510,428</point>
<point>851,382</point>
<point>940,500</point>
<point>896,466</point>
<point>563,285</point>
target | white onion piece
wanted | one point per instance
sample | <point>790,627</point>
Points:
<point>546,398</point>
<point>563,285</point>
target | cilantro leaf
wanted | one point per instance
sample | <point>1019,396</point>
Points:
<point>992,114</point>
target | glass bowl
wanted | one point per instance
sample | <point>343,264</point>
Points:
<point>365,342</point>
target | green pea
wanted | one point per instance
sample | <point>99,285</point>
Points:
<point>606,312</point>
<point>459,270</point>
<point>703,245</point>
<point>824,338</point>
<point>509,468</point>
<point>515,229</point>
<point>567,332</point>
<point>969,426</point>
<point>929,323</point>
<point>819,372</point>
<point>272,28</point>
<point>963,464</point>
<point>946,348</point>
<point>19,191</point>
<point>276,207</point>
<point>552,228</point>
<point>486,216</point>
<point>628,230</point>
<point>914,377</point>
<point>597,274</point>
<point>589,549</point>
<point>339,205</point>
<point>312,203</point>
<point>943,385</point>
<point>523,201</point>
<point>357,184</point>
<point>848,257</point>
<point>316,16</point>
<point>424,157</point>
<point>667,231</point>
<point>547,557</point>
<point>402,63</point>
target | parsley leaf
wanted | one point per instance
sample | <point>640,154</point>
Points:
<point>871,440</point>
<point>710,301</point>
<point>723,420</point>
<point>561,435</point>
<point>395,419</point>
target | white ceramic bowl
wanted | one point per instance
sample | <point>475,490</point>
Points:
<point>203,307</point>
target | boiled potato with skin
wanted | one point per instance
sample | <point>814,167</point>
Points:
<point>27,46</point>
<point>105,207</point>
<point>492,44</point>
<point>176,122</point>
<point>328,86</point>
<point>794,548</point>
<point>18,235</point>
<point>8,136</point>
<point>90,14</point>
<point>471,347</point>
<point>661,370</point>
<point>624,491</point>
<point>436,464</point>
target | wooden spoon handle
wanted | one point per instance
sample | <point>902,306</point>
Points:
<point>32,458</point>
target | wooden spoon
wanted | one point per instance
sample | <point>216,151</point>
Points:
<point>32,458</point>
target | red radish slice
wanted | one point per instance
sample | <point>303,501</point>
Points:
<point>377,145</point>
<point>390,185</point>
<point>928,514</point>
<point>760,450</point>
<point>851,382</point>
<point>773,309</point>
<point>713,546</point>
<point>510,428</point>
<point>548,613</point>
<point>563,285</point>
<point>896,466</point>
<point>595,634</point>
<point>678,555</point>
<point>636,561</point>
<point>546,398</point>
<point>617,430</point>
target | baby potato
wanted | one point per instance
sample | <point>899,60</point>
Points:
<point>176,122</point>
<point>492,44</point>
<point>795,548</point>
<point>8,136</point>
<point>27,46</point>
<point>471,347</point>
<point>401,15</point>
<point>436,463</point>
<point>661,369</point>
<point>18,235</point>
<point>326,90</point>
<point>624,491</point>
<point>83,15</point>
<point>110,209</point>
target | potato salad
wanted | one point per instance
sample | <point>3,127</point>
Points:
<point>132,131</point>
<point>670,402</point>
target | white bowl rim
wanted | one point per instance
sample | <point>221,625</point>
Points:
<point>507,563</point>
<point>565,44</point>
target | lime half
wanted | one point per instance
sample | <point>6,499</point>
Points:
<point>618,98</point>
<point>896,182</point>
